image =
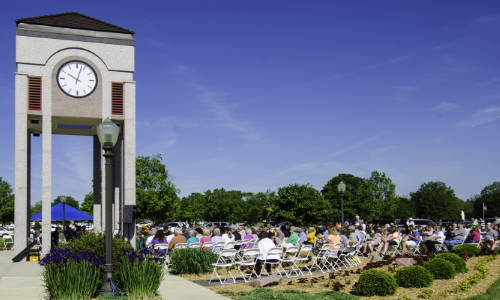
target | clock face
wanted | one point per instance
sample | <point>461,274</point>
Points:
<point>76,79</point>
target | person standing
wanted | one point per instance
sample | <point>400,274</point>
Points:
<point>37,228</point>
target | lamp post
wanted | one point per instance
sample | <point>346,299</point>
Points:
<point>107,132</point>
<point>341,190</point>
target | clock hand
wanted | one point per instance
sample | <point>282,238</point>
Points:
<point>72,76</point>
<point>79,72</point>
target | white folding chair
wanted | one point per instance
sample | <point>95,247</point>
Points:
<point>320,261</point>
<point>247,260</point>
<point>413,249</point>
<point>218,247</point>
<point>268,260</point>
<point>287,262</point>
<point>302,259</point>
<point>8,241</point>
<point>180,246</point>
<point>229,245</point>
<point>225,261</point>
<point>394,250</point>
<point>194,245</point>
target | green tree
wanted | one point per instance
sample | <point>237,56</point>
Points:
<point>356,189</point>
<point>36,208</point>
<point>490,196</point>
<point>69,201</point>
<point>300,205</point>
<point>222,205</point>
<point>258,206</point>
<point>405,208</point>
<point>88,204</point>
<point>436,201</point>
<point>383,196</point>
<point>6,202</point>
<point>156,194</point>
<point>193,208</point>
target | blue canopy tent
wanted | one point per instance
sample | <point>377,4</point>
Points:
<point>71,213</point>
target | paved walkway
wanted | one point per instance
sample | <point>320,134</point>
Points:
<point>20,280</point>
<point>177,288</point>
<point>23,281</point>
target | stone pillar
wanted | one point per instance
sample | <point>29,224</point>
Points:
<point>97,181</point>
<point>28,179</point>
<point>46,181</point>
<point>129,155</point>
<point>21,163</point>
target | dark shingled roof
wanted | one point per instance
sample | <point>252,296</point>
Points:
<point>74,20</point>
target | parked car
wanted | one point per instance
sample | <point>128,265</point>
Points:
<point>217,224</point>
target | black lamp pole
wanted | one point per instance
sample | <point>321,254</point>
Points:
<point>108,266</point>
<point>342,206</point>
<point>108,133</point>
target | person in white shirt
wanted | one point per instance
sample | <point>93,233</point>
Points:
<point>150,238</point>
<point>227,237</point>
<point>264,245</point>
<point>410,222</point>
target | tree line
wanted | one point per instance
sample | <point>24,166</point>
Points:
<point>373,198</point>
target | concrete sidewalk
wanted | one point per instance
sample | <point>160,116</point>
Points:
<point>23,281</point>
<point>177,288</point>
<point>20,280</point>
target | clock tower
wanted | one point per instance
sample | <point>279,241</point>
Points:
<point>74,71</point>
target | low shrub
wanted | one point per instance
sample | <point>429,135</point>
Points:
<point>376,282</point>
<point>482,271</point>
<point>95,243</point>
<point>459,263</point>
<point>427,294</point>
<point>191,261</point>
<point>67,275</point>
<point>441,268</point>
<point>140,272</point>
<point>467,250</point>
<point>414,276</point>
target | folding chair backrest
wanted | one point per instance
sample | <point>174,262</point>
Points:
<point>277,251</point>
<point>305,250</point>
<point>162,246</point>
<point>229,245</point>
<point>180,246</point>
<point>227,256</point>
<point>250,254</point>
<point>194,245</point>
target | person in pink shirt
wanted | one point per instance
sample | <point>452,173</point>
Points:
<point>206,237</point>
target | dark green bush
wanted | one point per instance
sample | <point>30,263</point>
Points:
<point>459,263</point>
<point>95,243</point>
<point>375,282</point>
<point>191,261</point>
<point>414,276</point>
<point>441,268</point>
<point>467,249</point>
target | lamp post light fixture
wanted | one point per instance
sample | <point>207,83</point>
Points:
<point>108,132</point>
<point>341,190</point>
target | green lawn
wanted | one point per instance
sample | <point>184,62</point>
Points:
<point>493,293</point>
<point>264,294</point>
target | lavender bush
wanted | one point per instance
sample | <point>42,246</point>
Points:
<point>140,272</point>
<point>67,275</point>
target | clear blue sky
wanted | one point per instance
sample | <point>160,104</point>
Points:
<point>254,95</point>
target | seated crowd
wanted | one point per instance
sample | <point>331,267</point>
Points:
<point>340,239</point>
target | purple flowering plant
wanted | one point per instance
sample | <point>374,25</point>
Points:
<point>61,257</point>
<point>140,272</point>
<point>69,275</point>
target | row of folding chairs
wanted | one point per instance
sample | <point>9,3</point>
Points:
<point>290,262</point>
<point>326,261</point>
